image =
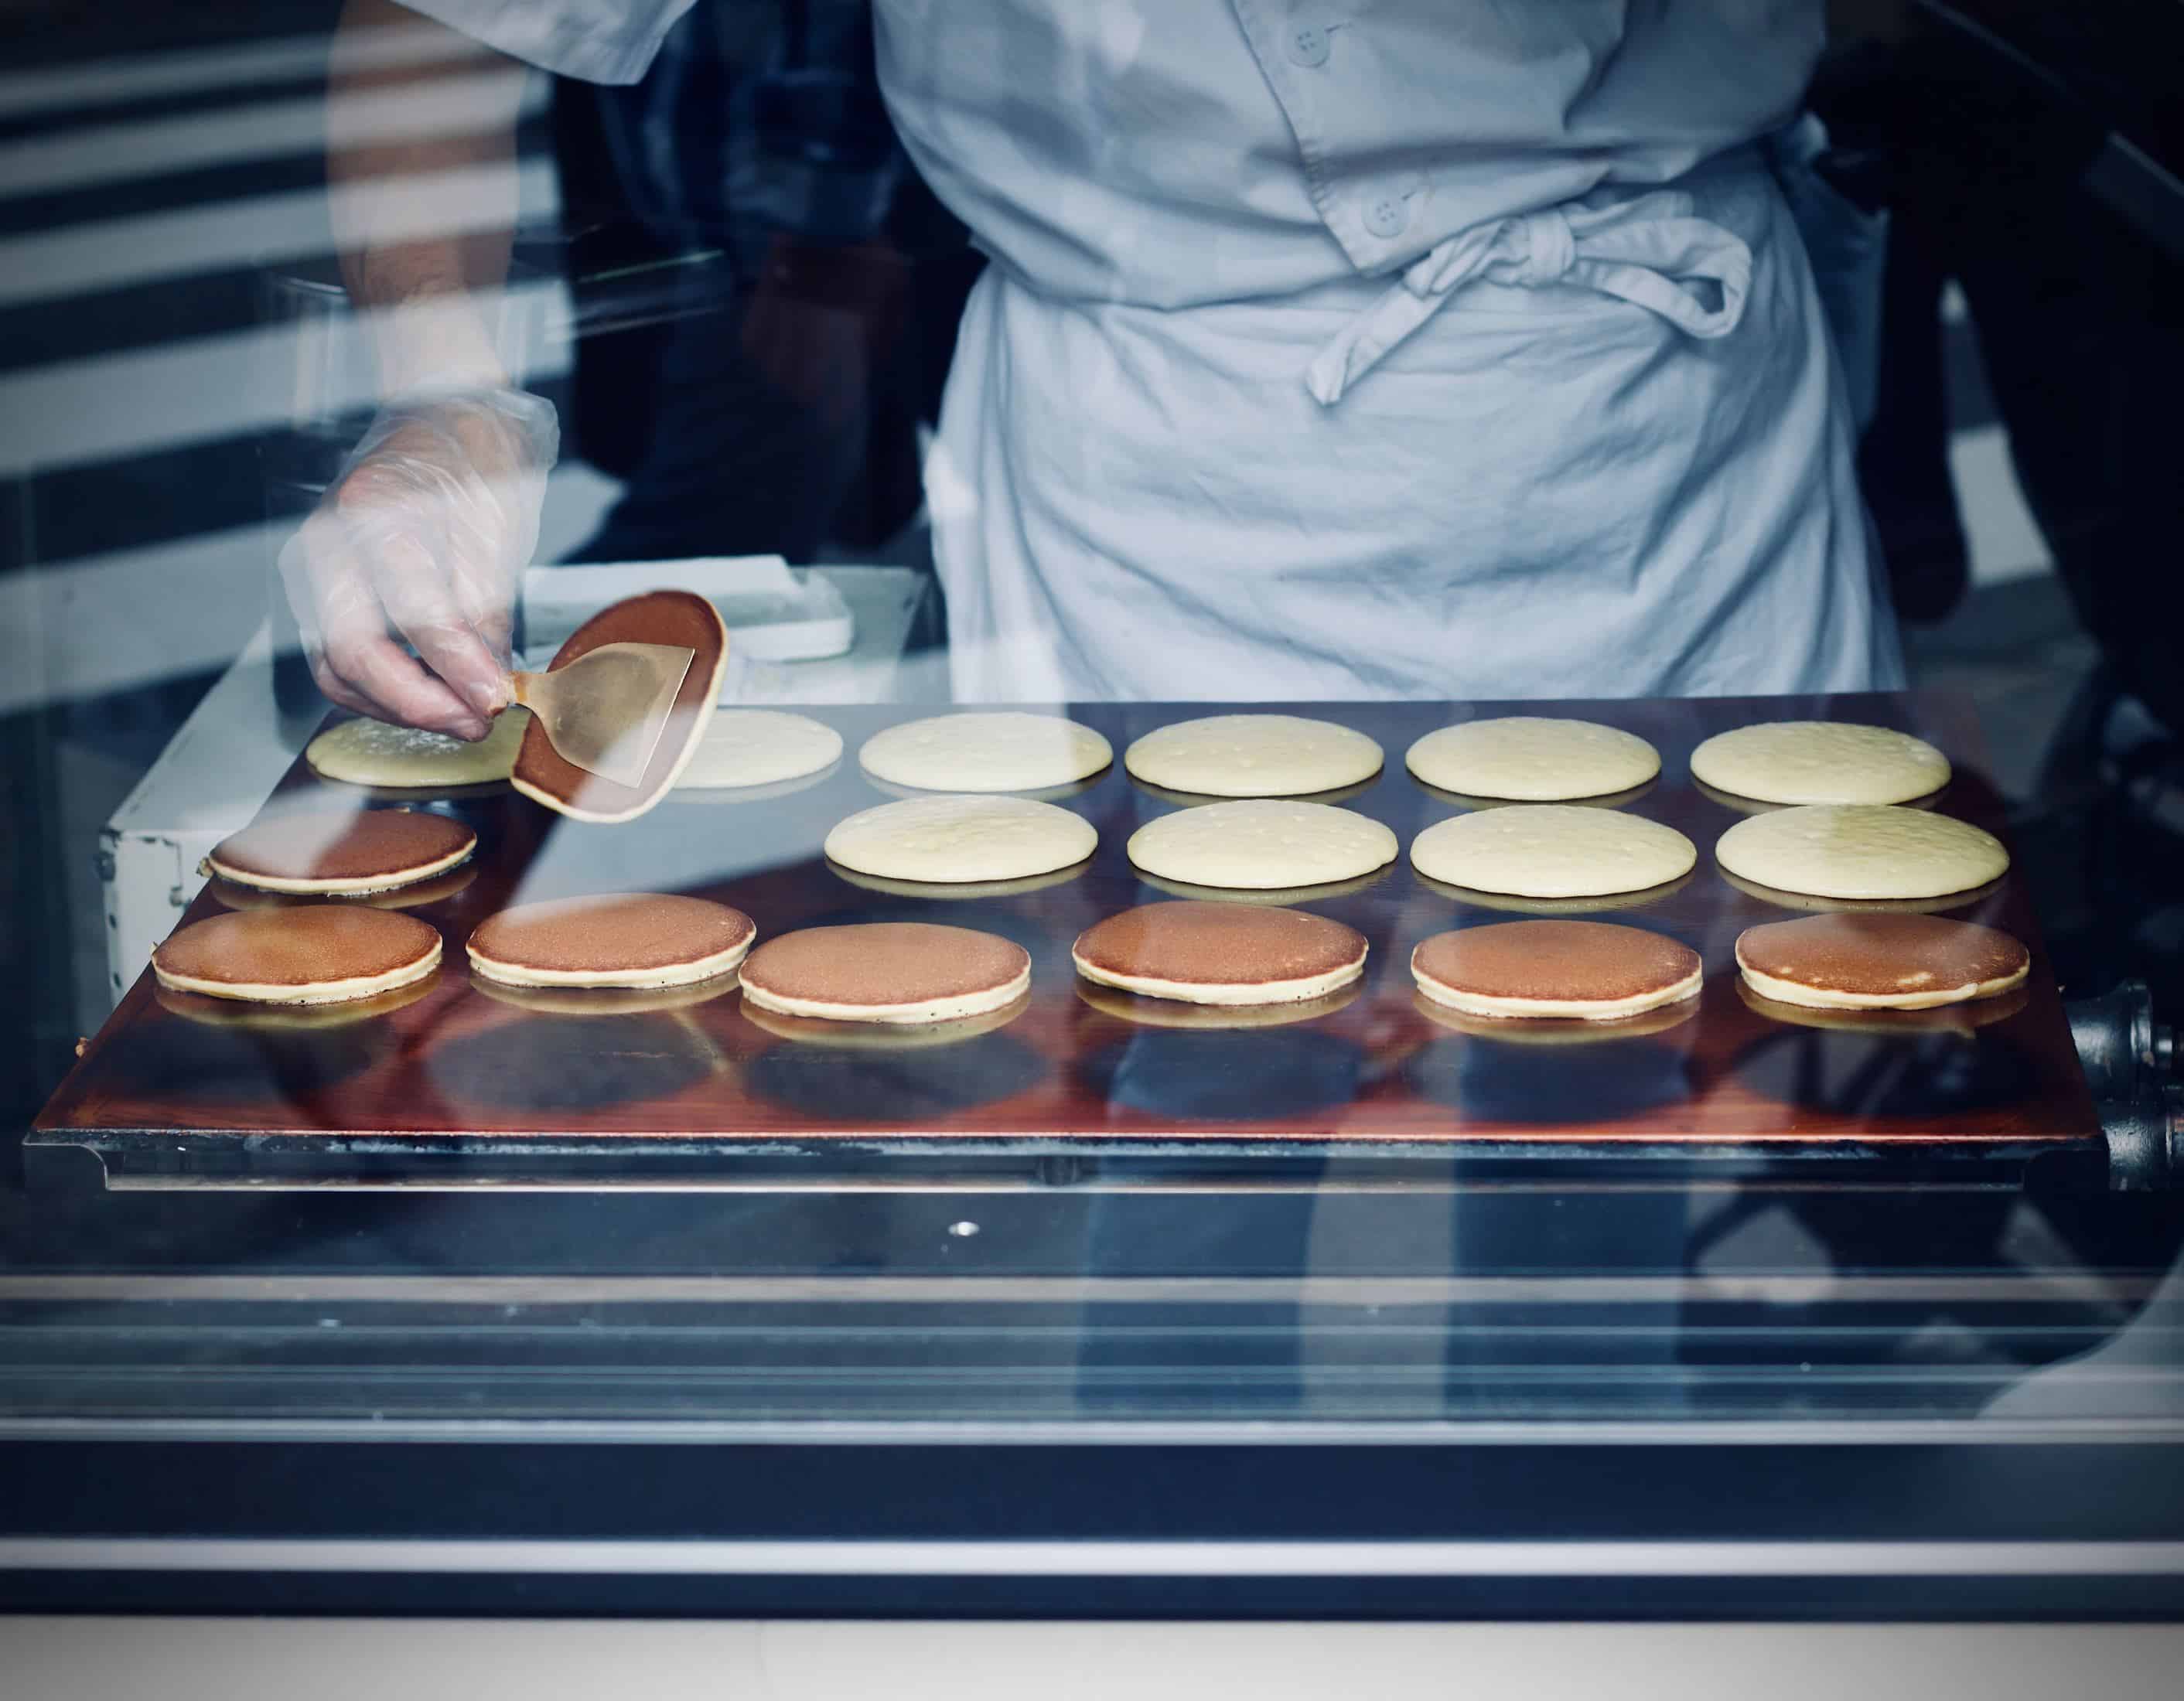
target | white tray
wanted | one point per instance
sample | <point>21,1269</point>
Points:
<point>774,612</point>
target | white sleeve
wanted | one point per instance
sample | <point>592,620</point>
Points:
<point>594,40</point>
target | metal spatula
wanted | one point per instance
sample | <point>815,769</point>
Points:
<point>606,711</point>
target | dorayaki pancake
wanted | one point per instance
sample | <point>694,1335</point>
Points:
<point>1202,952</point>
<point>959,891</point>
<point>628,939</point>
<point>1970,898</point>
<point>605,1001</point>
<point>402,758</point>
<point>414,896</point>
<point>1861,850</point>
<point>256,1018</point>
<point>1257,843</point>
<point>1284,896</point>
<point>1552,850</point>
<point>1472,802</point>
<point>886,971</point>
<point>1553,1030</point>
<point>1005,750</point>
<point>1511,905</point>
<point>1879,962</point>
<point>1533,758</point>
<point>1173,1013</point>
<point>951,839</point>
<point>331,853</point>
<point>743,748</point>
<point>1820,762</point>
<point>658,617</point>
<point>1253,756</point>
<point>1592,970</point>
<point>316,953</point>
<point>852,1035</point>
<point>1962,1019</point>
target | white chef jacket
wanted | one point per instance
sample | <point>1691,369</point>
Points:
<point>1392,347</point>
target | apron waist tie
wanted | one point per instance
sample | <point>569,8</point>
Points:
<point>1648,251</point>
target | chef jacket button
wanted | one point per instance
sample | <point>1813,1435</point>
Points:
<point>1385,215</point>
<point>1306,44</point>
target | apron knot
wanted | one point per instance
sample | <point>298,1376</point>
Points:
<point>1548,246</point>
<point>1651,252</point>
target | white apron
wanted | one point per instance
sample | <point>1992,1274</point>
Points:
<point>1242,410</point>
<point>1365,347</point>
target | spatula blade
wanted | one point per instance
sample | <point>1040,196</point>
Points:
<point>606,711</point>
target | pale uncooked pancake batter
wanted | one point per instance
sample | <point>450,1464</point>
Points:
<point>759,747</point>
<point>886,971</point>
<point>339,852</point>
<point>1862,850</point>
<point>1552,850</point>
<point>399,758</point>
<point>961,838</point>
<point>315,953</point>
<point>1867,962</point>
<point>629,939</point>
<point>1262,842</point>
<point>1591,970</point>
<point>1003,751</point>
<point>1253,756</point>
<point>1533,758</point>
<point>1820,762</point>
<point>1211,952</point>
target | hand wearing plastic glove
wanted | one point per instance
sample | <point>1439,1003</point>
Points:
<point>423,538</point>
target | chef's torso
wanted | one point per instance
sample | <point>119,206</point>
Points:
<point>1173,152</point>
<point>1392,347</point>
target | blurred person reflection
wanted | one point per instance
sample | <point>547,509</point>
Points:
<point>1451,350</point>
<point>765,291</point>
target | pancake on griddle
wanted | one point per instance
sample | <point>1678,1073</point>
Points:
<point>1879,962</point>
<point>401,759</point>
<point>333,853</point>
<point>886,971</point>
<point>1173,1013</point>
<point>658,617</point>
<point>316,953</point>
<point>1861,851</point>
<point>413,896</point>
<point>1211,952</point>
<point>1591,970</point>
<point>854,1036</point>
<point>628,939</point>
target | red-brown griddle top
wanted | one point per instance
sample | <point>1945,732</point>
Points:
<point>457,1061</point>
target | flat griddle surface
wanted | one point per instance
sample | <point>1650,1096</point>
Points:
<point>1378,1073</point>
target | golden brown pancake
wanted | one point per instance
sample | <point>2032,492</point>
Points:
<point>287,1019</point>
<point>843,1036</point>
<point>1173,1013</point>
<point>1963,1019</point>
<point>1593,971</point>
<point>314,953</point>
<point>333,853</point>
<point>1879,962</point>
<point>1550,1030</point>
<point>626,939</point>
<point>1212,952</point>
<point>412,895</point>
<point>886,971</point>
<point>658,617</point>
<point>605,1001</point>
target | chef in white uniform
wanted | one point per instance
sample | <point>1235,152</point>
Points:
<point>1344,348</point>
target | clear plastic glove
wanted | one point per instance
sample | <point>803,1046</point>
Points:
<point>424,538</point>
